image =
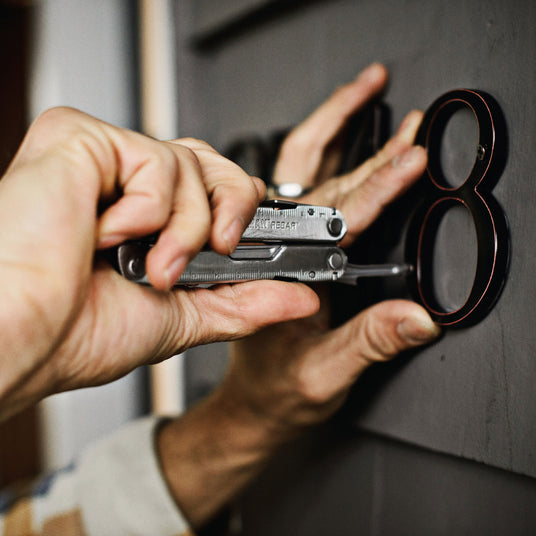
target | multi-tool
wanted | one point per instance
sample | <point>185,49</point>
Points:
<point>285,240</point>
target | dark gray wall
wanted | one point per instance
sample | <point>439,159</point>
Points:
<point>471,394</point>
<point>339,482</point>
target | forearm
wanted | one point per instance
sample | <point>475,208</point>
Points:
<point>213,452</point>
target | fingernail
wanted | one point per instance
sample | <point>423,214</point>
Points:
<point>407,158</point>
<point>233,233</point>
<point>174,270</point>
<point>418,329</point>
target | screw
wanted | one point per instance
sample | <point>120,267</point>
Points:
<point>312,275</point>
<point>335,226</point>
<point>335,261</point>
<point>136,267</point>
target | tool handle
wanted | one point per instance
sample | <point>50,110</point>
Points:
<point>307,263</point>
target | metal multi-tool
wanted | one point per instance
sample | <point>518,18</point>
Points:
<point>285,240</point>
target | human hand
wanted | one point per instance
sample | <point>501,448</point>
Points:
<point>78,185</point>
<point>299,373</point>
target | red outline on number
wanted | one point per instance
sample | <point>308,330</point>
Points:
<point>464,194</point>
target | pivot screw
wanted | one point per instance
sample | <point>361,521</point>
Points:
<point>335,261</point>
<point>335,226</point>
<point>136,268</point>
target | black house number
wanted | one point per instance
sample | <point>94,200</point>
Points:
<point>474,194</point>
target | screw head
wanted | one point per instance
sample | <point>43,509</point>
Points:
<point>136,267</point>
<point>335,261</point>
<point>335,226</point>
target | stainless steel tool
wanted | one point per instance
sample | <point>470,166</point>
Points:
<point>285,240</point>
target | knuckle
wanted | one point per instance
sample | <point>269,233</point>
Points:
<point>234,182</point>
<point>75,136</point>
<point>376,344</point>
<point>195,144</point>
<point>59,124</point>
<point>166,160</point>
<point>186,157</point>
<point>57,113</point>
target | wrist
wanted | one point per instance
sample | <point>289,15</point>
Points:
<point>212,452</point>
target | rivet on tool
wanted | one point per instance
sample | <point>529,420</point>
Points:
<point>335,261</point>
<point>136,267</point>
<point>335,226</point>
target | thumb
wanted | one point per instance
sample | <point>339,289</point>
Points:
<point>377,334</point>
<point>384,330</point>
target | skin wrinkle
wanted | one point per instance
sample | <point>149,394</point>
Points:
<point>183,307</point>
<point>86,138</point>
<point>38,316</point>
<point>155,197</point>
<point>173,339</point>
<point>181,243</point>
<point>37,319</point>
<point>36,383</point>
<point>84,347</point>
<point>234,302</point>
<point>379,345</point>
<point>86,141</point>
<point>85,350</point>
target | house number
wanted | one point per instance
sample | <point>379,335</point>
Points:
<point>492,236</point>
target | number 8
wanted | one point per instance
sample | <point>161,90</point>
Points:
<point>474,194</point>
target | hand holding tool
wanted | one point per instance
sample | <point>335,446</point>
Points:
<point>285,240</point>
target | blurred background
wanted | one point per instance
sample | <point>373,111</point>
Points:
<point>91,56</point>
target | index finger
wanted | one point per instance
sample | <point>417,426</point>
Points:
<point>302,152</point>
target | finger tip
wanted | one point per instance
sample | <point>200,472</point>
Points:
<point>375,73</point>
<point>381,69</point>
<point>260,186</point>
<point>281,301</point>
<point>304,299</point>
<point>164,272</point>
<point>416,327</point>
<point>225,242</point>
